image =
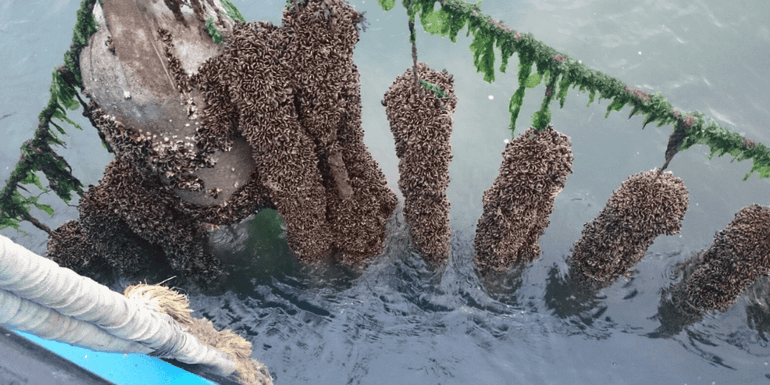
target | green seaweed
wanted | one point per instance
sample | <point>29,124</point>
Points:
<point>533,80</point>
<point>484,54</point>
<point>85,26</point>
<point>433,88</point>
<point>213,31</point>
<point>454,15</point>
<point>232,12</point>
<point>721,141</point>
<point>432,21</point>
<point>564,85</point>
<point>36,153</point>
<point>541,118</point>
<point>387,4</point>
<point>517,99</point>
<point>31,178</point>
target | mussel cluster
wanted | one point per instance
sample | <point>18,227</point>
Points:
<point>291,96</point>
<point>422,125</point>
<point>714,279</point>
<point>534,169</point>
<point>645,206</point>
<point>272,119</point>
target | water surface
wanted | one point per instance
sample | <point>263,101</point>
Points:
<point>396,320</point>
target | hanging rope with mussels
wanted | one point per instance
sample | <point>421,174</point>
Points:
<point>419,105</point>
<point>293,112</point>
<point>422,125</point>
<point>259,102</point>
<point>449,19</point>
<point>646,205</point>
<point>534,169</point>
<point>713,280</point>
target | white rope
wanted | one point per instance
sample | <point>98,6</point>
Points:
<point>31,277</point>
<point>43,322</point>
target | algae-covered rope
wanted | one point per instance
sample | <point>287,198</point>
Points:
<point>37,154</point>
<point>560,73</point>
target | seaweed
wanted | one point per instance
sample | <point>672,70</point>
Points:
<point>213,31</point>
<point>37,154</point>
<point>562,72</point>
<point>436,91</point>
<point>232,12</point>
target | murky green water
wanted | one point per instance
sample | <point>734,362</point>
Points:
<point>396,321</point>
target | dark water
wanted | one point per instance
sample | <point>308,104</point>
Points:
<point>397,321</point>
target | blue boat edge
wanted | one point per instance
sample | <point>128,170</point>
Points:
<point>26,358</point>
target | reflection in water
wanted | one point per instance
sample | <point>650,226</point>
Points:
<point>398,319</point>
<point>402,320</point>
<point>758,309</point>
<point>569,297</point>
